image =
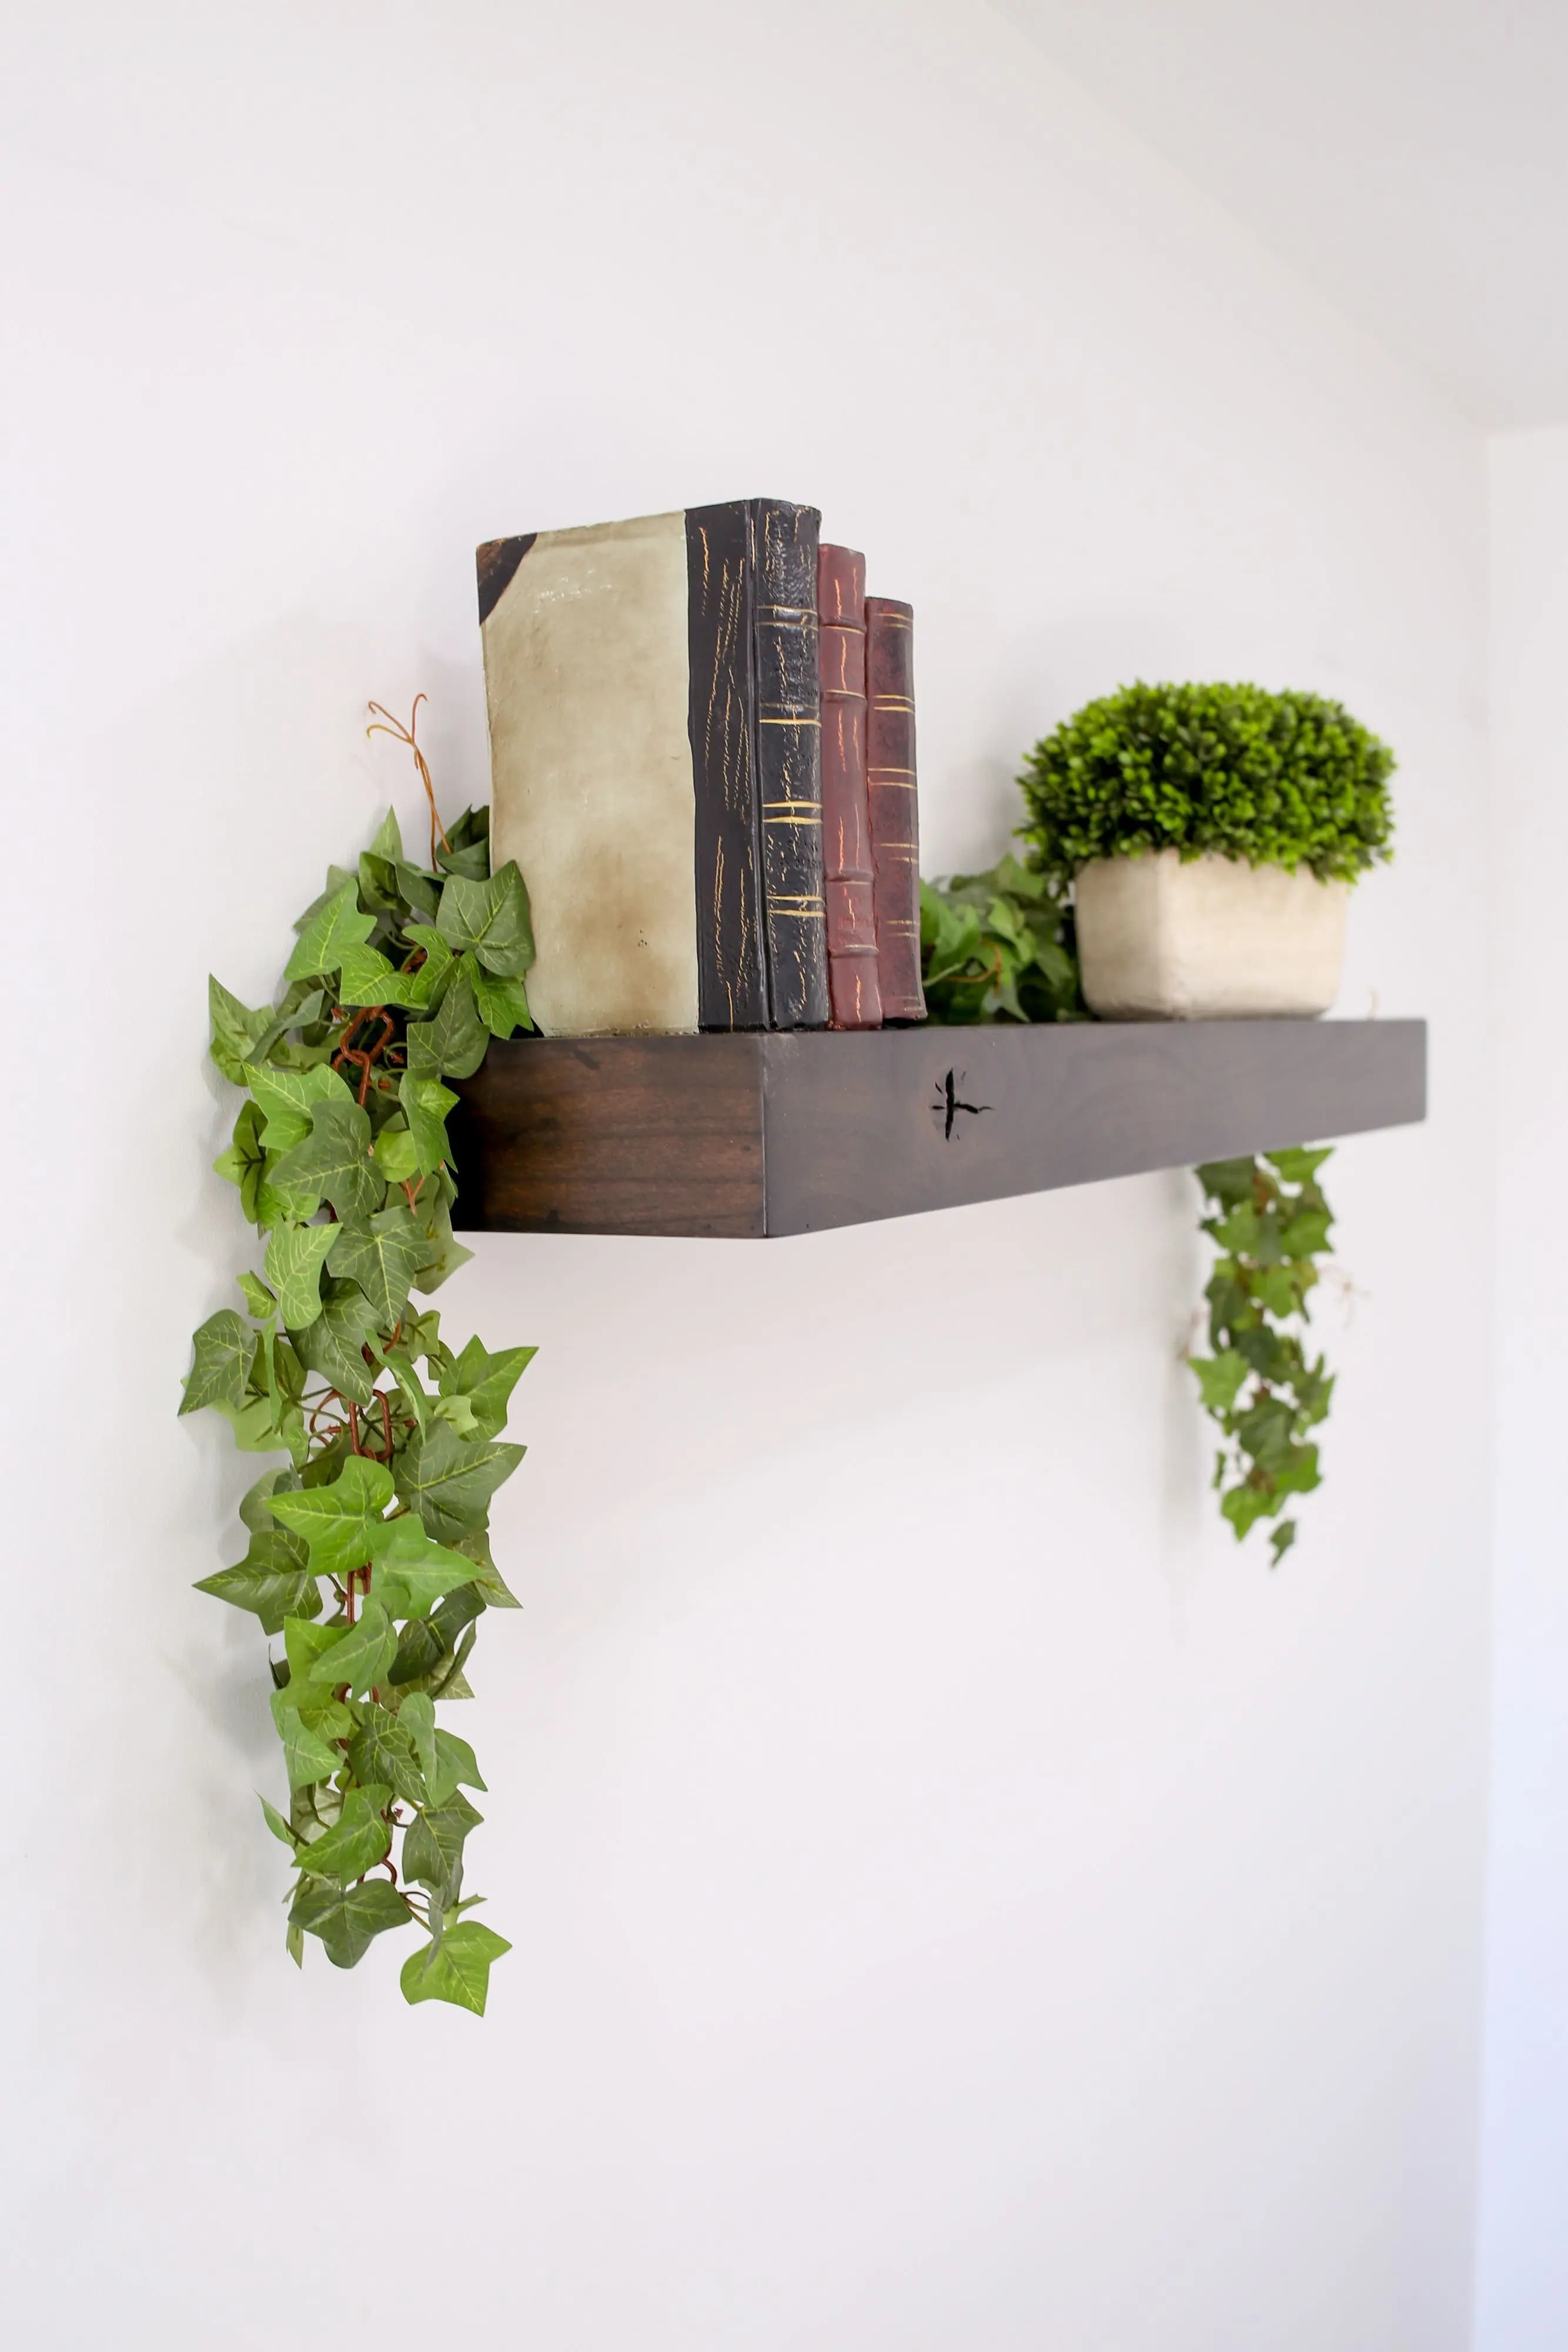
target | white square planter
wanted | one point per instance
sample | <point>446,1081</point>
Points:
<point>1212,939</point>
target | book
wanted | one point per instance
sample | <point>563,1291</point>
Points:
<point>854,996</point>
<point>643,689</point>
<point>892,803</point>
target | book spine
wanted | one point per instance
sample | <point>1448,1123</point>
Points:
<point>854,996</point>
<point>894,808</point>
<point>732,974</point>
<point>788,766</point>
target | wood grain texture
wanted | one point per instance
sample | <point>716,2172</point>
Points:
<point>893,797</point>
<point>789,761</point>
<point>764,1135</point>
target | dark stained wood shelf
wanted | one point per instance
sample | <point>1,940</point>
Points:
<point>752,1136</point>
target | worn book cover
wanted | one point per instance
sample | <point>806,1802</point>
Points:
<point>853,988</point>
<point>893,799</point>
<point>648,725</point>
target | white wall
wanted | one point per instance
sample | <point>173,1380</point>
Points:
<point>958,1898</point>
<point>1522,2294</point>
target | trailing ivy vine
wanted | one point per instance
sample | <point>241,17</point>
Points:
<point>368,1548</point>
<point>1261,1386</point>
<point>999,946</point>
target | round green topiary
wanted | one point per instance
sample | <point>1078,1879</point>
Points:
<point>1277,779</point>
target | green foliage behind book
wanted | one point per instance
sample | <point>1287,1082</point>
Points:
<point>999,946</point>
<point>657,692</point>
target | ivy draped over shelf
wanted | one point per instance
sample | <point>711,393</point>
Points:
<point>370,1549</point>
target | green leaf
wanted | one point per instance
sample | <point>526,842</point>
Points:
<point>416,1714</point>
<point>335,1160</point>
<point>332,1346</point>
<point>288,1097</point>
<point>425,1103</point>
<point>1274,1288</point>
<point>449,1481</point>
<point>502,1005</point>
<point>257,1298</point>
<point>307,1758</point>
<point>454,1764</point>
<point>1298,1167</point>
<point>384,1750</point>
<point>382,1257</point>
<point>311,1649</point>
<point>331,929</point>
<point>433,1849</point>
<point>295,1257</point>
<point>397,1154</point>
<point>272,1581</point>
<point>1306,1232</point>
<point>278,1826</point>
<point>486,1380</point>
<point>358,1840</point>
<point>347,1919</point>
<point>454,1038</point>
<point>412,1572</point>
<point>244,1161</point>
<point>236,1030</point>
<point>491,919</point>
<point>1282,1537</point>
<point>224,1351</point>
<point>338,1521</point>
<point>455,1970</point>
<point>388,843</point>
<point>255,1508</point>
<point>1220,1378</point>
<point>365,977</point>
<point>364,1653</point>
<point>1244,1505</point>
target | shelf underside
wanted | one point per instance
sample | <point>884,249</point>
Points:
<point>747,1137</point>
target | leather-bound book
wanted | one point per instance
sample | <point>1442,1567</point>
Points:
<point>790,761</point>
<point>852,987</point>
<point>643,681</point>
<point>895,809</point>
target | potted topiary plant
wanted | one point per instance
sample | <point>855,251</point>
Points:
<point>1210,835</point>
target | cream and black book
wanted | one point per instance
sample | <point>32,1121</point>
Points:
<point>657,766</point>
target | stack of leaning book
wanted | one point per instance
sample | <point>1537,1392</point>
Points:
<point>702,748</point>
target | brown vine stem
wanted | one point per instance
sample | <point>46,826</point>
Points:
<point>385,724</point>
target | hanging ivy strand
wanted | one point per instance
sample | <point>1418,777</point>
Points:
<point>369,1549</point>
<point>1261,1386</point>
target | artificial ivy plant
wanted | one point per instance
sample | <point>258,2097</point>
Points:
<point>998,946</point>
<point>1286,780</point>
<point>368,1548</point>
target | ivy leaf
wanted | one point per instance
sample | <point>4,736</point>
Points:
<point>256,1507</point>
<point>295,1257</point>
<point>332,1346</point>
<point>288,1097</point>
<point>425,1103</point>
<point>384,1750</point>
<point>365,1652</point>
<point>272,1581</point>
<point>396,1154</point>
<point>278,1825</point>
<point>416,1714</point>
<point>388,843</point>
<point>442,1252</point>
<point>501,1003</point>
<point>1219,1378</point>
<point>1274,1289</point>
<point>411,1573</point>
<point>244,1161</point>
<point>330,929</point>
<point>449,1480</point>
<point>235,1031</point>
<point>338,1521</point>
<point>1306,1232</point>
<point>456,1969</point>
<point>348,1919</point>
<point>357,1841</point>
<point>365,977</point>
<point>433,1849</point>
<point>225,1351</point>
<point>307,1757</point>
<point>431,978</point>
<point>486,1380</point>
<point>257,1298</point>
<point>335,1159</point>
<point>454,1763</point>
<point>1244,1505</point>
<point>382,1257</point>
<point>453,1039</point>
<point>491,919</point>
<point>1283,1536</point>
<point>1299,1167</point>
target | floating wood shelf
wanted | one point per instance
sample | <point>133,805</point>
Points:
<point>753,1136</point>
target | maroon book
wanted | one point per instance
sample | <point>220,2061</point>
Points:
<point>892,802</point>
<point>846,823</point>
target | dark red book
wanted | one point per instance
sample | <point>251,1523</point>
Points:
<point>892,806</point>
<point>846,821</point>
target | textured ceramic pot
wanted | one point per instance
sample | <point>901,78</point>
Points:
<point>1212,939</point>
